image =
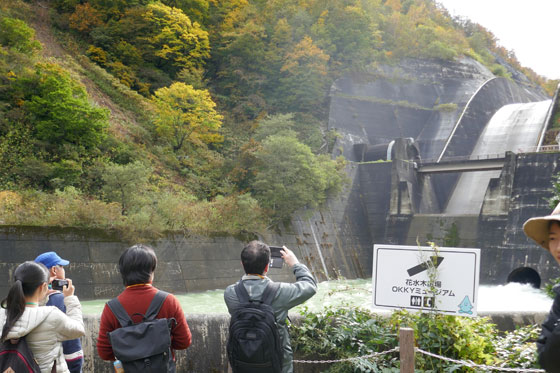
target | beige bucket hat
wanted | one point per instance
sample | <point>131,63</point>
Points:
<point>537,228</point>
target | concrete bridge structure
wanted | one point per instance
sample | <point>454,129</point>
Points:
<point>463,164</point>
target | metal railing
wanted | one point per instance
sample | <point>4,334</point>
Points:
<point>539,149</point>
<point>530,149</point>
<point>460,158</point>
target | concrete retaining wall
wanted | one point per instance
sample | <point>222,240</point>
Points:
<point>184,264</point>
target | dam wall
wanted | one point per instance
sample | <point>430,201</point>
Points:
<point>529,187</point>
<point>520,192</point>
<point>401,101</point>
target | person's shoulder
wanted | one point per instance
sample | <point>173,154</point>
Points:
<point>55,298</point>
<point>171,300</point>
<point>50,313</point>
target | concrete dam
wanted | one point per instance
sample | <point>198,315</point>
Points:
<point>467,162</point>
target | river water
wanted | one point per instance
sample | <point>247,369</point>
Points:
<point>509,298</point>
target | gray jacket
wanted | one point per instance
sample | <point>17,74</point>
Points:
<point>288,296</point>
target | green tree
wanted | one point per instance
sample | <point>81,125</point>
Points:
<point>279,124</point>
<point>303,83</point>
<point>348,33</point>
<point>186,114</point>
<point>242,70</point>
<point>16,35</point>
<point>60,110</point>
<point>303,126</point>
<point>125,183</point>
<point>165,36</point>
<point>290,177</point>
<point>196,10</point>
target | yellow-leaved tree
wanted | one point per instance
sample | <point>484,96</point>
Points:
<point>186,115</point>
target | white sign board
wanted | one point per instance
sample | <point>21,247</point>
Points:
<point>404,277</point>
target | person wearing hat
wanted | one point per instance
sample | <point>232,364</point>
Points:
<point>545,231</point>
<point>73,353</point>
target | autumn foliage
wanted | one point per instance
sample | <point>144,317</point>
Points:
<point>218,106</point>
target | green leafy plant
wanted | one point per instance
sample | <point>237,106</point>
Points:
<point>350,332</point>
<point>551,284</point>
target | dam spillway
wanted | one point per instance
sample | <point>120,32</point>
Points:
<point>514,127</point>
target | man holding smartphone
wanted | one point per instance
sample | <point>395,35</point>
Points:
<point>57,280</point>
<point>256,260</point>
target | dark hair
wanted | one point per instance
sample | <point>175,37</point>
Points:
<point>255,257</point>
<point>552,222</point>
<point>28,277</point>
<point>137,264</point>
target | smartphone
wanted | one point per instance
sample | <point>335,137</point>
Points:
<point>276,260</point>
<point>59,284</point>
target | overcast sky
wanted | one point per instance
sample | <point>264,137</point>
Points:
<point>528,27</point>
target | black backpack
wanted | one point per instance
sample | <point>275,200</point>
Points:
<point>254,342</point>
<point>17,357</point>
<point>146,346</point>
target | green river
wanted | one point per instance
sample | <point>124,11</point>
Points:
<point>357,293</point>
<point>331,293</point>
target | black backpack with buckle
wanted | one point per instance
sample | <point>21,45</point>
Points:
<point>146,346</point>
<point>254,342</point>
<point>16,356</point>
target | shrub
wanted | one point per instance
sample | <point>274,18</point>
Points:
<point>350,332</point>
<point>548,287</point>
<point>168,211</point>
<point>16,35</point>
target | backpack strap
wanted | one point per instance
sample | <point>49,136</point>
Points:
<point>125,320</point>
<point>270,292</point>
<point>267,296</point>
<point>119,312</point>
<point>155,305</point>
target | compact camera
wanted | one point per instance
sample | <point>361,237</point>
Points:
<point>59,284</point>
<point>276,260</point>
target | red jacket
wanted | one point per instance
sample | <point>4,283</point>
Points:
<point>136,299</point>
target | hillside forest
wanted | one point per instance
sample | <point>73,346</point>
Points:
<point>201,116</point>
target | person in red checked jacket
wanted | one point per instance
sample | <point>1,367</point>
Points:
<point>137,265</point>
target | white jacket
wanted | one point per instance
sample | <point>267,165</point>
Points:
<point>45,327</point>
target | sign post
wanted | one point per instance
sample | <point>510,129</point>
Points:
<point>443,280</point>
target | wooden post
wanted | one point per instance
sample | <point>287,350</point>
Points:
<point>406,350</point>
